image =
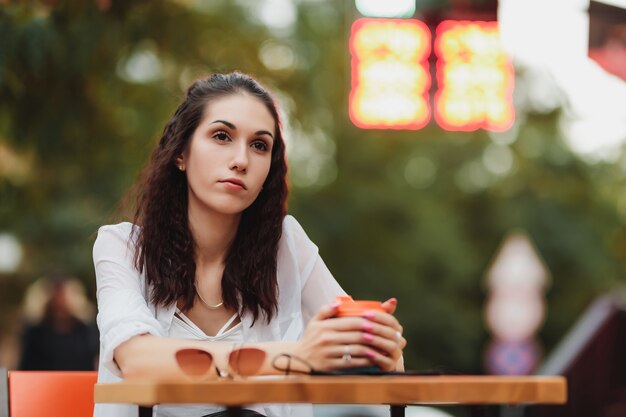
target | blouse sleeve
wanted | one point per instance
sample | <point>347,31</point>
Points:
<point>122,309</point>
<point>319,287</point>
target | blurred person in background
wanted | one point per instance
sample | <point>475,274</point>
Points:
<point>60,331</point>
<point>212,262</point>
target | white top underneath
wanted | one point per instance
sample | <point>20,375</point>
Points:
<point>183,328</point>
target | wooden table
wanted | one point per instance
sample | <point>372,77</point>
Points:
<point>393,390</point>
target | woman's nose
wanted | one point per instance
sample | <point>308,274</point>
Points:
<point>239,160</point>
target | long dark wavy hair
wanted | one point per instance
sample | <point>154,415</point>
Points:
<point>164,245</point>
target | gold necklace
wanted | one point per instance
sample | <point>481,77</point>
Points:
<point>211,306</point>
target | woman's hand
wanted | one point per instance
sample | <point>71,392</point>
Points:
<point>331,343</point>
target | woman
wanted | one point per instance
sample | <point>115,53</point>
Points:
<point>212,261</point>
<point>60,333</point>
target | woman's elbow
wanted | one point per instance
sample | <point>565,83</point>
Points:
<point>130,356</point>
<point>149,356</point>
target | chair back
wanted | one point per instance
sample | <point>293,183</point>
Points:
<point>51,393</point>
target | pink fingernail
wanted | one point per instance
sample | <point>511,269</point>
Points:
<point>368,327</point>
<point>368,337</point>
<point>369,315</point>
<point>393,300</point>
<point>370,354</point>
<point>335,304</point>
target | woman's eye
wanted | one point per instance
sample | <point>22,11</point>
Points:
<point>221,136</point>
<point>259,145</point>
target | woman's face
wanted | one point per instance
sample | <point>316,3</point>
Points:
<point>229,155</point>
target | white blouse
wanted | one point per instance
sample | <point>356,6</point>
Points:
<point>125,310</point>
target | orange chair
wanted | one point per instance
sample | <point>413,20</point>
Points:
<point>51,393</point>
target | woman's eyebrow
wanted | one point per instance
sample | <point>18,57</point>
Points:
<point>264,132</point>
<point>229,124</point>
<point>232,126</point>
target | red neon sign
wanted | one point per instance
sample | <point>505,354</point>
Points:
<point>475,77</point>
<point>390,78</point>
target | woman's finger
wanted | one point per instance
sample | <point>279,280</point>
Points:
<point>368,342</point>
<point>385,319</point>
<point>378,321</point>
<point>326,311</point>
<point>386,363</point>
<point>386,332</point>
<point>355,355</point>
<point>339,339</point>
<point>390,305</point>
<point>343,324</point>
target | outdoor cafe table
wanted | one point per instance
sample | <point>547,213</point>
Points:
<point>394,390</point>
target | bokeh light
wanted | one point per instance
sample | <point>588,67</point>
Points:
<point>475,77</point>
<point>390,78</point>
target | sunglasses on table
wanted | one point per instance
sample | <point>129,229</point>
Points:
<point>198,363</point>
<point>243,362</point>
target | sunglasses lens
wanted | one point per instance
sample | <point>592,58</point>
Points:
<point>194,362</point>
<point>246,361</point>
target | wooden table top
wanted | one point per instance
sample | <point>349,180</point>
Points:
<point>469,389</point>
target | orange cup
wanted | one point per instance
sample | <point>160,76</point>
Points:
<point>351,308</point>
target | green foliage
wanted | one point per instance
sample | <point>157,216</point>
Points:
<point>415,215</point>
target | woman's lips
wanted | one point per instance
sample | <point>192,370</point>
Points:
<point>233,183</point>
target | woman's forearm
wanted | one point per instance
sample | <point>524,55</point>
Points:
<point>149,356</point>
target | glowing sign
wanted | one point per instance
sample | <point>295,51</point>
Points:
<point>386,8</point>
<point>475,77</point>
<point>390,78</point>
